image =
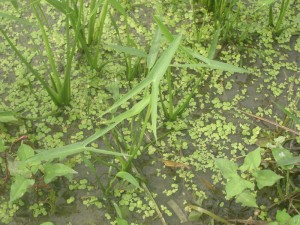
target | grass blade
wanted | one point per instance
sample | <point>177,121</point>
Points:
<point>129,50</point>
<point>296,119</point>
<point>50,56</point>
<point>153,52</point>
<point>19,20</point>
<point>129,178</point>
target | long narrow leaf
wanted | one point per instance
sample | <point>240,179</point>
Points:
<point>65,151</point>
<point>19,20</point>
<point>213,64</point>
<point>296,119</point>
<point>129,50</point>
<point>156,73</point>
<point>99,29</point>
<point>153,52</point>
<point>136,109</point>
<point>51,92</point>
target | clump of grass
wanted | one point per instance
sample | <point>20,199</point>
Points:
<point>57,88</point>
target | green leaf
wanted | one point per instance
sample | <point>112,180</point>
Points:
<point>136,109</point>
<point>295,118</point>
<point>47,223</point>
<point>121,221</point>
<point>152,55</point>
<point>8,116</point>
<point>154,76</point>
<point>129,178</point>
<point>282,216</point>
<point>252,161</point>
<point>17,19</point>
<point>227,167</point>
<point>65,151</point>
<point>25,152</point>
<point>295,220</point>
<point>247,199</point>
<point>19,187</point>
<point>284,158</point>
<point>129,50</point>
<point>287,163</point>
<point>52,171</point>
<point>237,185</point>
<point>266,178</point>
<point>213,64</point>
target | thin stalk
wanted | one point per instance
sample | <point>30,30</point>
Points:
<point>170,89</point>
<point>183,106</point>
<point>137,147</point>
<point>287,188</point>
<point>271,20</point>
<point>51,92</point>
<point>101,21</point>
<point>212,215</point>
<point>283,9</point>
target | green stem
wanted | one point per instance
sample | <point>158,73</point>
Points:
<point>170,90</point>
<point>91,23</point>
<point>283,9</point>
<point>212,215</point>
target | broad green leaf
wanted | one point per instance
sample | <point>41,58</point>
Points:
<point>266,178</point>
<point>129,178</point>
<point>247,199</point>
<point>8,116</point>
<point>52,171</point>
<point>227,167</point>
<point>18,168</point>
<point>284,158</point>
<point>152,55</point>
<point>287,163</point>
<point>19,187</point>
<point>129,50</point>
<point>282,216</point>
<point>295,220</point>
<point>237,185</point>
<point>252,161</point>
<point>25,152</point>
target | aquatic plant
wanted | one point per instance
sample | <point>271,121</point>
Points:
<point>57,88</point>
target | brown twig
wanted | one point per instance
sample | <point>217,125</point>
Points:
<point>271,122</point>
